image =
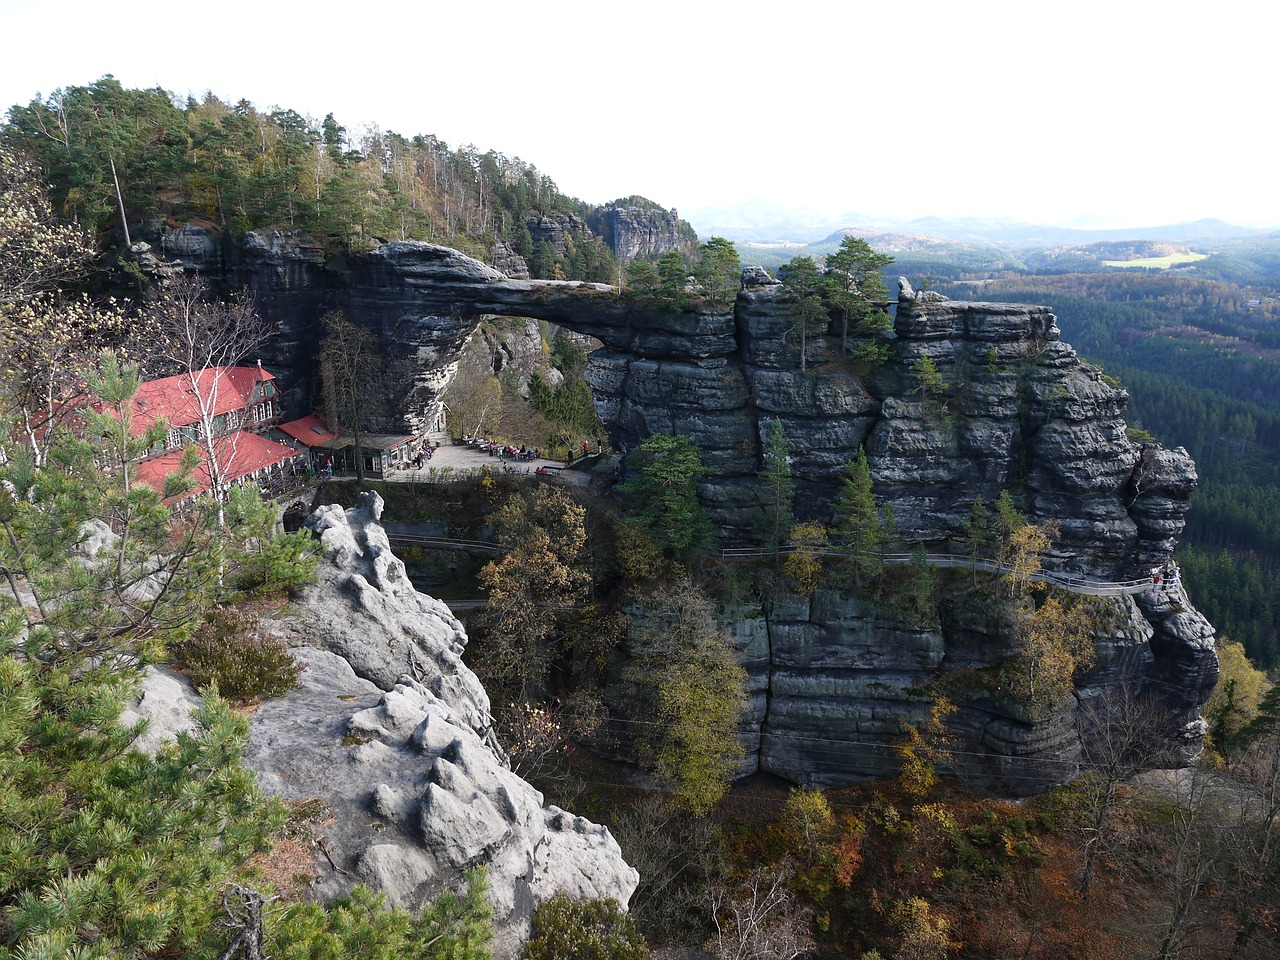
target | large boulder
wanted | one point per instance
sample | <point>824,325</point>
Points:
<point>392,731</point>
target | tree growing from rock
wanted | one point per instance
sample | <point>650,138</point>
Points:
<point>775,489</point>
<point>924,749</point>
<point>930,384</point>
<point>662,491</point>
<point>977,535</point>
<point>856,525</point>
<point>855,286</point>
<point>673,273</point>
<point>1055,643</point>
<point>719,270</point>
<point>804,563</point>
<point>802,291</point>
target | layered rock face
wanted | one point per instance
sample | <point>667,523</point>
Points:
<point>633,229</point>
<point>393,733</point>
<point>1018,410</point>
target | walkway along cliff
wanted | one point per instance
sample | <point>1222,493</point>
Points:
<point>833,677</point>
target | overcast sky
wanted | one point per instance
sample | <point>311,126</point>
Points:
<point>1133,113</point>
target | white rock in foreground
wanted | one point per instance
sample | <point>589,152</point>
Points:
<point>392,731</point>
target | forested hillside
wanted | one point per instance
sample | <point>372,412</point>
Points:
<point>122,161</point>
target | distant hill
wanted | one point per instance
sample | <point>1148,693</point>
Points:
<point>758,221</point>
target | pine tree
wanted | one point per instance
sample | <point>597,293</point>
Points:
<point>929,384</point>
<point>802,291</point>
<point>663,491</point>
<point>855,285</point>
<point>719,270</point>
<point>977,535</point>
<point>775,489</point>
<point>856,525</point>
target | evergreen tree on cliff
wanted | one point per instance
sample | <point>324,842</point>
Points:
<point>856,525</point>
<point>802,290</point>
<point>776,489</point>
<point>855,286</point>
<point>719,270</point>
<point>663,492</point>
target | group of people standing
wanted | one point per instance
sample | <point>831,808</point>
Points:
<point>425,454</point>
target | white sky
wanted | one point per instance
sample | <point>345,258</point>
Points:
<point>1133,113</point>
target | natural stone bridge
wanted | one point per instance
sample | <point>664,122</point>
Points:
<point>1020,412</point>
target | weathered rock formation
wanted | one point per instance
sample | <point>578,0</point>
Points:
<point>1019,411</point>
<point>392,732</point>
<point>636,227</point>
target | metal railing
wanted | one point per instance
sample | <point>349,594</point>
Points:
<point>447,543</point>
<point>1073,583</point>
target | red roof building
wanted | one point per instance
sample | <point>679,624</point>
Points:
<point>336,450</point>
<point>233,398</point>
<point>238,404</point>
<point>310,431</point>
<point>243,456</point>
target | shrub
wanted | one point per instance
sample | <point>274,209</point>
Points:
<point>279,564</point>
<point>569,929</point>
<point>455,926</point>
<point>228,652</point>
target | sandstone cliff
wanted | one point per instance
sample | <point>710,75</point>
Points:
<point>392,732</point>
<point>635,227</point>
<point>1019,411</point>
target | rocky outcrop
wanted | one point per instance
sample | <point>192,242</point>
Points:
<point>553,229</point>
<point>636,227</point>
<point>506,260</point>
<point>1017,410</point>
<point>393,733</point>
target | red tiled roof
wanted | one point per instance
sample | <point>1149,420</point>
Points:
<point>240,453</point>
<point>228,388</point>
<point>309,431</point>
